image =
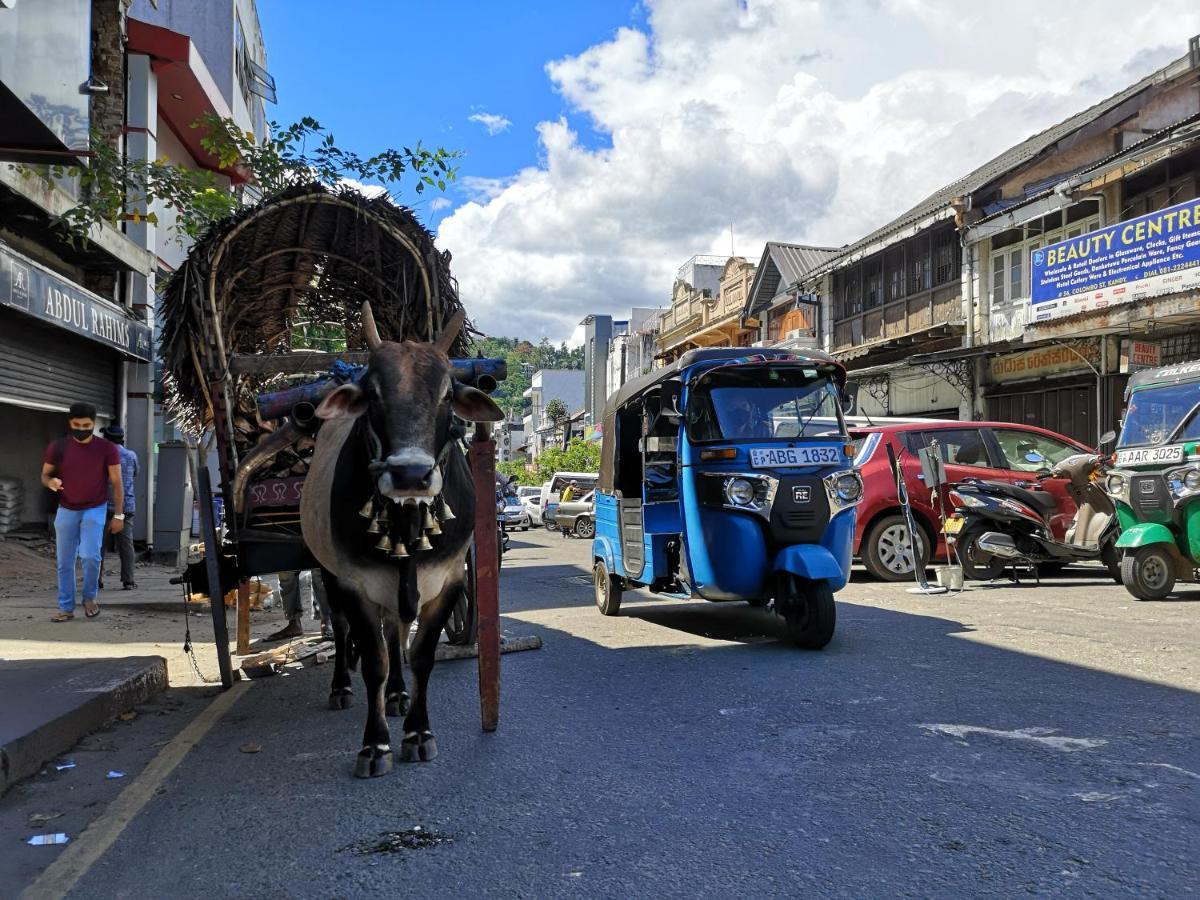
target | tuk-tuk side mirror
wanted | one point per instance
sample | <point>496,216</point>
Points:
<point>850,398</point>
<point>672,393</point>
<point>1107,438</point>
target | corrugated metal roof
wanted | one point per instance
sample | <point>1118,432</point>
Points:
<point>1008,160</point>
<point>783,264</point>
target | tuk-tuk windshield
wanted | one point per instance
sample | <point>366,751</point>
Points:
<point>764,404</point>
<point>1154,414</point>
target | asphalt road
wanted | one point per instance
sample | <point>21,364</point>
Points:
<point>1005,740</point>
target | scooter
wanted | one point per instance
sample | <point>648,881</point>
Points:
<point>996,524</point>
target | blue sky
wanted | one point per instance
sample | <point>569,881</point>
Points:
<point>382,73</point>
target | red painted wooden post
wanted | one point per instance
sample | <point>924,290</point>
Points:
<point>487,575</point>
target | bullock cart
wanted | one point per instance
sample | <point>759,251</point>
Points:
<point>263,319</point>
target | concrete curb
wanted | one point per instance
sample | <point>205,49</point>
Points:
<point>137,679</point>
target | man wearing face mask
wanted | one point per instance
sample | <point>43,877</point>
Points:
<point>79,468</point>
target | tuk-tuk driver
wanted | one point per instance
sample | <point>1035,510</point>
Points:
<point>743,419</point>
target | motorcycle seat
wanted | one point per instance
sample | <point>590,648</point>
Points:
<point>1040,501</point>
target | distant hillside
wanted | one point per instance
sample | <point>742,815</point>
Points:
<point>524,359</point>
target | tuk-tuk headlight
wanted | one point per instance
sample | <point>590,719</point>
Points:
<point>1191,480</point>
<point>849,488</point>
<point>1115,484</point>
<point>739,491</point>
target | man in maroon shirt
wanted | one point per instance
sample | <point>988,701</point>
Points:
<point>80,468</point>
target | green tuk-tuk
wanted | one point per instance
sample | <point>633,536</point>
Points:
<point>1156,480</point>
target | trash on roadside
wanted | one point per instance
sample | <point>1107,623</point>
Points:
<point>37,820</point>
<point>115,774</point>
<point>67,764</point>
<point>251,748</point>
<point>39,840</point>
<point>128,716</point>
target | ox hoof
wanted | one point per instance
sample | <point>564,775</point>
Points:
<point>372,762</point>
<point>341,698</point>
<point>397,704</point>
<point>418,747</point>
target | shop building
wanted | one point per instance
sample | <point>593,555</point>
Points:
<point>698,280</point>
<point>776,306</point>
<point>68,327</point>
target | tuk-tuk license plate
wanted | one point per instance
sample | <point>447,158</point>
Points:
<point>781,457</point>
<point>953,526</point>
<point>1148,455</point>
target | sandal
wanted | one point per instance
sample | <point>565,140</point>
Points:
<point>93,612</point>
<point>62,617</point>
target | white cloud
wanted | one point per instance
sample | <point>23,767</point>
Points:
<point>799,121</point>
<point>493,123</point>
<point>439,203</point>
<point>370,191</point>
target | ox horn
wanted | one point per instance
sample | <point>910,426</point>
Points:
<point>369,329</point>
<point>450,331</point>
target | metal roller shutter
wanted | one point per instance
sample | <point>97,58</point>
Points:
<point>49,368</point>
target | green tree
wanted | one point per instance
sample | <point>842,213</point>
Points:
<point>114,188</point>
<point>524,358</point>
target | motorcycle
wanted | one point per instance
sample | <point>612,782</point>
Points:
<point>996,524</point>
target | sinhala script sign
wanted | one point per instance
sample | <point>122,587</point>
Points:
<point>1151,255</point>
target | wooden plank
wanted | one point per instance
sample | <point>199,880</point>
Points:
<point>267,662</point>
<point>507,645</point>
<point>243,617</point>
<point>291,363</point>
<point>487,579</point>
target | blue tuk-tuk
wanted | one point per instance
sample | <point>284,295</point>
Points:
<point>728,475</point>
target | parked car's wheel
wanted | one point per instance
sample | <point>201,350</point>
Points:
<point>977,565</point>
<point>585,528</point>
<point>1148,572</point>
<point>887,552</point>
<point>608,589</point>
<point>549,524</point>
<point>811,622</point>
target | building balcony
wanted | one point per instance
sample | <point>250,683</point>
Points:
<point>900,319</point>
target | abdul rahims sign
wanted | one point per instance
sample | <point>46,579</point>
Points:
<point>32,289</point>
<point>1152,255</point>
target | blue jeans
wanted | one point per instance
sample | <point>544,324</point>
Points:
<point>78,533</point>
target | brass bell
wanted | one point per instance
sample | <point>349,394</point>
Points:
<point>434,529</point>
<point>427,519</point>
<point>424,544</point>
<point>384,543</point>
<point>374,527</point>
<point>368,508</point>
<point>399,551</point>
<point>447,512</point>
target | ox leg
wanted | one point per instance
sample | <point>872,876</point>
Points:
<point>341,691</point>
<point>375,758</point>
<point>419,744</point>
<point>397,695</point>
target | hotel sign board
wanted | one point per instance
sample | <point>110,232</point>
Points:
<point>45,295</point>
<point>1152,255</point>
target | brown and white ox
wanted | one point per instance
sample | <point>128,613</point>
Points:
<point>388,510</point>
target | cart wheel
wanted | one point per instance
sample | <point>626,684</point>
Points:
<point>585,528</point>
<point>1148,573</point>
<point>608,590</point>
<point>460,627</point>
<point>811,622</point>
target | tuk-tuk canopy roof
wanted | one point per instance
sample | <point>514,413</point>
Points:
<point>703,359</point>
<point>1188,371</point>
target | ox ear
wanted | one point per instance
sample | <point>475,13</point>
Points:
<point>344,402</point>
<point>474,405</point>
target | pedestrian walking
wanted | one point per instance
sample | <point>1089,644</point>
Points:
<point>123,539</point>
<point>567,496</point>
<point>293,606</point>
<point>80,467</point>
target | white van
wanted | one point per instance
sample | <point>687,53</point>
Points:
<point>553,488</point>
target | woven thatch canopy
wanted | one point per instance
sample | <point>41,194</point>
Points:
<point>309,255</point>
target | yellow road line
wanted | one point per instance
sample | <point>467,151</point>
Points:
<point>64,873</point>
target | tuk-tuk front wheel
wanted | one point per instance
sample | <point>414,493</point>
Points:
<point>808,610</point>
<point>1148,573</point>
<point>608,589</point>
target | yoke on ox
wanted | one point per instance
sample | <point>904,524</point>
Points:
<point>349,454</point>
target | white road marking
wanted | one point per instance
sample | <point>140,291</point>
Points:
<point>1044,737</point>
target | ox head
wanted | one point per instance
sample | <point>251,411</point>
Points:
<point>407,396</point>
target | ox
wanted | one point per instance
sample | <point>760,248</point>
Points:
<point>388,510</point>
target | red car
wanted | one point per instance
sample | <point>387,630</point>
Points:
<point>991,450</point>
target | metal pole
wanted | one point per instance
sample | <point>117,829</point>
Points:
<point>1100,389</point>
<point>487,574</point>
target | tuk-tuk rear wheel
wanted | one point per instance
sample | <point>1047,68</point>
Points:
<point>608,589</point>
<point>1148,573</point>
<point>812,616</point>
